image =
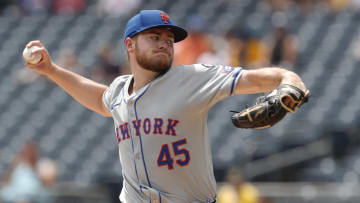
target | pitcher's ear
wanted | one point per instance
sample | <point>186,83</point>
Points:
<point>129,43</point>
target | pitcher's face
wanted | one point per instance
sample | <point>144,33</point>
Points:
<point>154,49</point>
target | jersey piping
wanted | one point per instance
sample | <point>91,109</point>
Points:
<point>141,147</point>
<point>236,77</point>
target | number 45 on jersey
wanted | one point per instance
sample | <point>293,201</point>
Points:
<point>180,154</point>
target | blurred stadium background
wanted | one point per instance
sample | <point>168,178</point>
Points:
<point>311,156</point>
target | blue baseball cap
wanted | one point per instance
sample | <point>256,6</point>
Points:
<point>147,19</point>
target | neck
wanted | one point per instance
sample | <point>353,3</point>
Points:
<point>142,77</point>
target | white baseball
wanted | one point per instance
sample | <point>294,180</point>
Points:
<point>29,55</point>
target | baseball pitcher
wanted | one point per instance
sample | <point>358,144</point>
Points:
<point>160,112</point>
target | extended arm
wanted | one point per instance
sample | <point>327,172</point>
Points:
<point>266,79</point>
<point>85,91</point>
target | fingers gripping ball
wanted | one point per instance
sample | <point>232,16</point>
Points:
<point>30,56</point>
<point>271,108</point>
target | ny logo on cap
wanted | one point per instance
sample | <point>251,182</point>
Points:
<point>164,17</point>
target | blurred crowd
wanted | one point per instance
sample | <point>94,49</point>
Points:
<point>250,48</point>
<point>237,47</point>
<point>238,190</point>
<point>117,8</point>
<point>112,8</point>
<point>29,179</point>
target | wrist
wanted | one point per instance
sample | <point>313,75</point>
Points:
<point>51,71</point>
<point>291,78</point>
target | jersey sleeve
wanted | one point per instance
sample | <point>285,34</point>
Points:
<point>211,83</point>
<point>112,91</point>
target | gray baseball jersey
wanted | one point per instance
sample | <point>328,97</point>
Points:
<point>162,133</point>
